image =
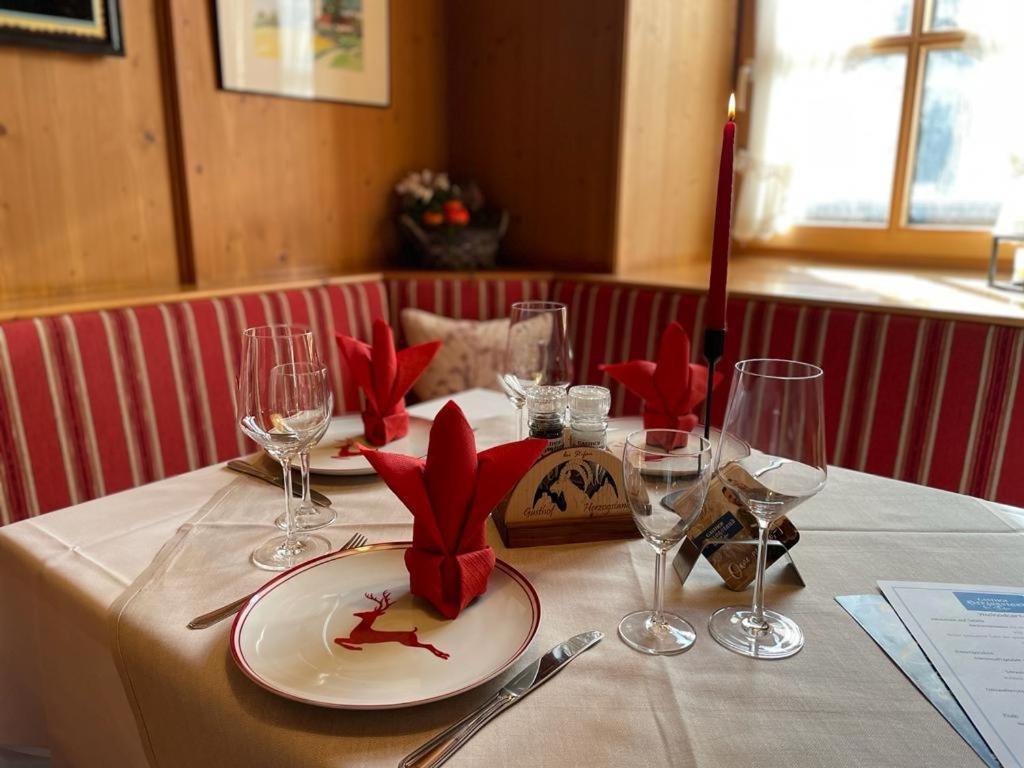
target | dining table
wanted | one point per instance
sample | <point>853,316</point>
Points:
<point>839,702</point>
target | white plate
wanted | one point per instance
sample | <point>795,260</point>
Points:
<point>324,458</point>
<point>284,638</point>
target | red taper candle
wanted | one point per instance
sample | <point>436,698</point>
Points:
<point>723,215</point>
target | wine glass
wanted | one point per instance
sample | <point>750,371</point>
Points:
<point>772,456</point>
<point>666,474</point>
<point>537,351</point>
<point>308,516</point>
<point>283,404</point>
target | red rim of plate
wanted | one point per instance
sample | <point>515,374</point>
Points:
<point>242,615</point>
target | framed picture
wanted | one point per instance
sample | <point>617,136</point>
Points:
<point>332,50</point>
<point>84,26</point>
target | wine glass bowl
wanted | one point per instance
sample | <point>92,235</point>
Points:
<point>769,487</point>
<point>772,458</point>
<point>665,479</point>
<point>293,413</point>
<point>537,351</point>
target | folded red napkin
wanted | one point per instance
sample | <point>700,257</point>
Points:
<point>450,495</point>
<point>385,376</point>
<point>671,387</point>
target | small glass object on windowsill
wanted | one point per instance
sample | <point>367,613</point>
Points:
<point>1009,231</point>
<point>545,412</point>
<point>1016,277</point>
<point>588,416</point>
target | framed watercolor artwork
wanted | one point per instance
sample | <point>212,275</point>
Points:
<point>83,26</point>
<point>333,50</point>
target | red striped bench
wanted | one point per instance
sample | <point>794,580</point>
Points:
<point>97,402</point>
<point>932,401</point>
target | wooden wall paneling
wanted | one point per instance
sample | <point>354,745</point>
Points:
<point>282,188</point>
<point>679,58</point>
<point>85,202</point>
<point>534,106</point>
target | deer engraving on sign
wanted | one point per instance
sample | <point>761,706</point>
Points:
<point>364,633</point>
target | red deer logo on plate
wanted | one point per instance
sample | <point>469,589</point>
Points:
<point>347,449</point>
<point>364,633</point>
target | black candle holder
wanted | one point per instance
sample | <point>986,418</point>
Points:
<point>714,345</point>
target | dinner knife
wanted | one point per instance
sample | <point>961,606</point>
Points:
<point>437,751</point>
<point>248,469</point>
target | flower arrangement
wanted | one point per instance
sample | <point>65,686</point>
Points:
<point>432,200</point>
<point>445,225</point>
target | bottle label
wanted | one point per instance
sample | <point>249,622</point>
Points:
<point>554,444</point>
<point>589,439</point>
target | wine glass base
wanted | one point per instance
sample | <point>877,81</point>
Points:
<point>640,632</point>
<point>731,628</point>
<point>309,518</point>
<point>271,555</point>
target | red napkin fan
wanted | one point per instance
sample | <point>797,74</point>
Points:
<point>385,376</point>
<point>670,388</point>
<point>450,496</point>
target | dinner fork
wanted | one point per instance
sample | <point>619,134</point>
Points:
<point>219,614</point>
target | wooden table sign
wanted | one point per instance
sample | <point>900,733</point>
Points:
<point>570,495</point>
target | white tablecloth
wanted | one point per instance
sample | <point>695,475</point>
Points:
<point>840,702</point>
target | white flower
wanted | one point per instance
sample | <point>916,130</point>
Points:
<point>409,184</point>
<point>426,176</point>
<point>441,182</point>
<point>424,194</point>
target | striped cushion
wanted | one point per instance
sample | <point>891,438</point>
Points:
<point>98,402</point>
<point>930,401</point>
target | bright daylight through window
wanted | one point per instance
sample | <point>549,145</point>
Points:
<point>874,123</point>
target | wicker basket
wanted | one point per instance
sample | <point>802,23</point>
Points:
<point>472,247</point>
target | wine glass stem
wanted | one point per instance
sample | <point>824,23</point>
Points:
<point>757,621</point>
<point>304,465</point>
<point>659,580</point>
<point>519,422</point>
<point>289,510</point>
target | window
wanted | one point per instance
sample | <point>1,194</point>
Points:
<point>881,126</point>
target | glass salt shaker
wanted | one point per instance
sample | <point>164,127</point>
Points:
<point>588,415</point>
<point>545,410</point>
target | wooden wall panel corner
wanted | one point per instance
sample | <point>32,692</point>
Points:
<point>534,105</point>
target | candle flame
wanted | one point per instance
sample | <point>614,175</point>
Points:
<point>732,106</point>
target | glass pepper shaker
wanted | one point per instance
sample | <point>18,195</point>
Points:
<point>545,410</point>
<point>588,415</point>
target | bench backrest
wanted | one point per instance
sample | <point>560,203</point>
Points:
<point>932,401</point>
<point>97,402</point>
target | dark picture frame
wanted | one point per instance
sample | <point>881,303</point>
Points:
<point>79,26</point>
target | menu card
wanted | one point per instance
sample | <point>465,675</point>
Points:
<point>974,637</point>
